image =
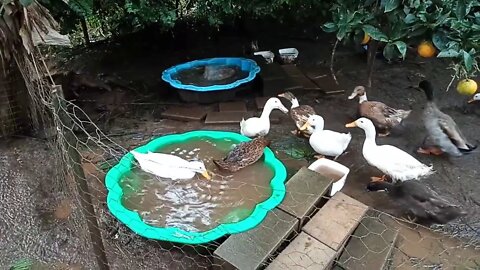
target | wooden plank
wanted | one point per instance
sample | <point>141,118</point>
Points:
<point>238,106</point>
<point>304,193</point>
<point>304,253</point>
<point>250,250</point>
<point>185,113</point>
<point>336,220</point>
<point>226,117</point>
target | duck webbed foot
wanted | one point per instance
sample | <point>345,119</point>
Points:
<point>378,179</point>
<point>431,150</point>
<point>319,156</point>
<point>384,134</point>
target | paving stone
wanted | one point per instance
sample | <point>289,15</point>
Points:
<point>371,243</point>
<point>336,220</point>
<point>304,253</point>
<point>323,79</point>
<point>251,249</point>
<point>292,70</point>
<point>185,113</point>
<point>276,86</point>
<point>304,192</point>
<point>238,106</point>
<point>272,71</point>
<point>226,117</point>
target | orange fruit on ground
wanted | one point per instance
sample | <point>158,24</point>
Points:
<point>467,87</point>
<point>366,39</point>
<point>426,49</point>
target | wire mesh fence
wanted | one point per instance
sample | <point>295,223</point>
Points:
<point>57,217</point>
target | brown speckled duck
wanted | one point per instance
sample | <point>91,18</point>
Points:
<point>383,117</point>
<point>299,114</point>
<point>243,155</point>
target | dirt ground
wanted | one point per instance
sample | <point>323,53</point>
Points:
<point>130,115</point>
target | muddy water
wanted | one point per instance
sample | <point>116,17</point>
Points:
<point>217,76</point>
<point>197,204</point>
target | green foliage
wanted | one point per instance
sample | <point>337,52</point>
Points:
<point>453,27</point>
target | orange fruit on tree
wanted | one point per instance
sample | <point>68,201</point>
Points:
<point>366,39</point>
<point>467,87</point>
<point>426,49</point>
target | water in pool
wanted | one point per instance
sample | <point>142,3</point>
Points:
<point>211,75</point>
<point>197,204</point>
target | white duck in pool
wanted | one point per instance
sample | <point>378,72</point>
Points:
<point>170,166</point>
<point>260,126</point>
<point>326,142</point>
<point>389,159</point>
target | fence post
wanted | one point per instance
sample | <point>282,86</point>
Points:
<point>75,161</point>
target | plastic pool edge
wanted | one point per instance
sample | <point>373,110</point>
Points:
<point>253,71</point>
<point>135,223</point>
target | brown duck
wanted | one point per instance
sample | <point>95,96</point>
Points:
<point>383,117</point>
<point>299,114</point>
<point>243,155</point>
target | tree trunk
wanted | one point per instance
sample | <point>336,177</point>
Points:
<point>83,22</point>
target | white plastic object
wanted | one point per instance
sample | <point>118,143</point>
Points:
<point>333,170</point>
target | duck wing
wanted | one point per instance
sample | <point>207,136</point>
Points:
<point>450,128</point>
<point>381,114</point>
<point>301,113</point>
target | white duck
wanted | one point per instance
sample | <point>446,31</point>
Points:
<point>170,166</point>
<point>326,142</point>
<point>260,126</point>
<point>392,161</point>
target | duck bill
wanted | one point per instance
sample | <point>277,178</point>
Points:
<point>307,125</point>
<point>283,109</point>
<point>206,175</point>
<point>351,125</point>
<point>352,96</point>
<point>471,100</point>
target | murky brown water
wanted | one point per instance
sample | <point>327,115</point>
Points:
<point>197,204</point>
<point>217,76</point>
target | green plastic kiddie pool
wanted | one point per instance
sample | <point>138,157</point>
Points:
<point>133,220</point>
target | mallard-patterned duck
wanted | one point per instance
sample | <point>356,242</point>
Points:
<point>419,200</point>
<point>299,114</point>
<point>442,131</point>
<point>383,117</point>
<point>389,159</point>
<point>326,142</point>
<point>243,155</point>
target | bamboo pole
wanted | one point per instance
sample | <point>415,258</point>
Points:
<point>75,162</point>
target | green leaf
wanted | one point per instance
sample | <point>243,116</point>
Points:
<point>25,3</point>
<point>329,27</point>
<point>468,61</point>
<point>375,33</point>
<point>460,9</point>
<point>440,40</point>
<point>401,47</point>
<point>448,54</point>
<point>389,52</point>
<point>410,18</point>
<point>391,5</point>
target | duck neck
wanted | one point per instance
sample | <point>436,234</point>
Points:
<point>369,137</point>
<point>362,98</point>
<point>295,102</point>
<point>266,112</point>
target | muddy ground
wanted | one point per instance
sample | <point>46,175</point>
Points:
<point>130,115</point>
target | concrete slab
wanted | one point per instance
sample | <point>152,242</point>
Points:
<point>250,250</point>
<point>304,193</point>
<point>185,113</point>
<point>336,220</point>
<point>371,244</point>
<point>238,106</point>
<point>226,117</point>
<point>304,253</point>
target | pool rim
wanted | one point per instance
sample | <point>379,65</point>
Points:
<point>171,234</point>
<point>167,74</point>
